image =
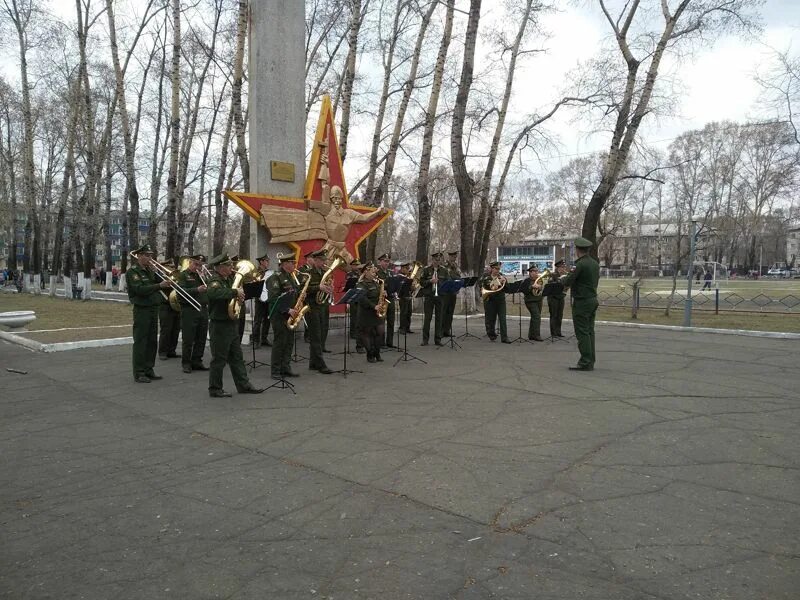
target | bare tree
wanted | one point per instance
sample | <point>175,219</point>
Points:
<point>689,21</point>
<point>175,129</point>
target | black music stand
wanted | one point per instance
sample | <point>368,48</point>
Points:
<point>392,287</point>
<point>282,303</point>
<point>351,296</point>
<point>468,283</point>
<point>451,286</point>
<point>551,289</point>
<point>515,287</point>
<point>252,291</point>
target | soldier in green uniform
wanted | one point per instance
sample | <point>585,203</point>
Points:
<point>370,325</point>
<point>432,276</point>
<point>533,302</point>
<point>279,284</point>
<point>385,273</point>
<point>583,282</point>
<point>351,281</point>
<point>169,322</point>
<point>405,300</point>
<point>449,300</point>
<point>494,306</point>
<point>144,294</point>
<point>260,316</point>
<point>194,323</point>
<point>316,316</point>
<point>555,303</point>
<point>225,345</point>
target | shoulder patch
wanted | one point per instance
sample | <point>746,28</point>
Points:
<point>214,284</point>
<point>135,277</point>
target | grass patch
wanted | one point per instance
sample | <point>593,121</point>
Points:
<point>789,323</point>
<point>77,335</point>
<point>57,313</point>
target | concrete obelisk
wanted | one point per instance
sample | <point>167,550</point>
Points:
<point>276,102</point>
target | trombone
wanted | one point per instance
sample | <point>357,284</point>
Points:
<point>167,275</point>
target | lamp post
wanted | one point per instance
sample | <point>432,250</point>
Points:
<point>687,306</point>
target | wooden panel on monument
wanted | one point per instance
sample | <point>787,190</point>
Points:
<point>323,217</point>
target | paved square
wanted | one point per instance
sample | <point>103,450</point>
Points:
<point>670,472</point>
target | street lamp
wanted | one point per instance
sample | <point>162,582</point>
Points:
<point>687,306</point>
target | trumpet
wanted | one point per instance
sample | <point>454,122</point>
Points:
<point>167,274</point>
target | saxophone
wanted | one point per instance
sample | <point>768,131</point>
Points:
<point>300,305</point>
<point>382,307</point>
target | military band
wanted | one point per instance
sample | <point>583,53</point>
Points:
<point>204,307</point>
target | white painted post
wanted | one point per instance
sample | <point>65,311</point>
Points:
<point>36,284</point>
<point>109,280</point>
<point>67,286</point>
<point>276,101</point>
<point>53,283</point>
<point>122,285</point>
<point>82,285</point>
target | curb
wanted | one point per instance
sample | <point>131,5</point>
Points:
<point>62,346</point>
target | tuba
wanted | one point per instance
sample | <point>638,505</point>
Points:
<point>244,271</point>
<point>541,280</point>
<point>416,273</point>
<point>495,285</point>
<point>300,305</point>
<point>325,297</point>
<point>382,307</point>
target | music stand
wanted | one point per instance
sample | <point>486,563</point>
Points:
<point>515,287</point>
<point>551,289</point>
<point>350,297</point>
<point>451,286</point>
<point>468,282</point>
<point>392,287</point>
<point>252,291</point>
<point>282,303</point>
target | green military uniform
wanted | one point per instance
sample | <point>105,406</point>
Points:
<point>494,308</point>
<point>386,275</point>
<point>449,300</point>
<point>144,294</point>
<point>280,283</point>
<point>169,325</point>
<point>555,307</point>
<point>225,345</point>
<point>194,323</point>
<point>406,304</point>
<point>533,303</point>
<point>370,325</point>
<point>432,302</point>
<point>583,283</point>
<point>316,317</point>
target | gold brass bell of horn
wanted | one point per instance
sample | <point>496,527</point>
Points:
<point>244,272</point>
<point>541,280</point>
<point>495,285</point>
<point>325,297</point>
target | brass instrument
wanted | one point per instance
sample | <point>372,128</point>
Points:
<point>382,307</point>
<point>541,280</point>
<point>300,304</point>
<point>183,264</point>
<point>244,272</point>
<point>495,285</point>
<point>325,297</point>
<point>167,274</point>
<point>416,273</point>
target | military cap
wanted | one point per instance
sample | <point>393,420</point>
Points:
<point>385,256</point>
<point>494,264</point>
<point>234,258</point>
<point>406,263</point>
<point>561,263</point>
<point>146,249</point>
<point>533,267</point>
<point>452,253</point>
<point>264,257</point>
<point>169,263</point>
<point>200,257</point>
<point>223,260</point>
<point>355,263</point>
<point>436,255</point>
<point>288,257</point>
<point>321,253</point>
<point>367,265</point>
<point>581,242</point>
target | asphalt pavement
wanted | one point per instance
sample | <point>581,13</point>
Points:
<point>670,472</point>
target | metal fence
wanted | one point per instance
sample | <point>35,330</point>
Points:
<point>714,300</point>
